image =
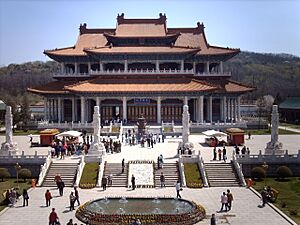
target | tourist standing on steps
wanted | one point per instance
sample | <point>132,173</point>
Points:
<point>53,218</point>
<point>57,178</point>
<point>109,180</point>
<point>123,165</point>
<point>25,197</point>
<point>133,182</point>
<point>214,153</point>
<point>76,195</point>
<point>220,154</point>
<point>229,199</point>
<point>178,189</point>
<point>162,180</point>
<point>224,154</point>
<point>224,201</point>
<point>213,219</point>
<point>48,198</point>
<point>104,183</point>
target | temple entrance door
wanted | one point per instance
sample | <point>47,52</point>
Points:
<point>91,103</point>
<point>171,110</point>
<point>143,106</point>
<point>111,109</point>
<point>67,104</point>
<point>216,110</point>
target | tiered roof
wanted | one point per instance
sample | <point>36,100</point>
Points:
<point>107,41</point>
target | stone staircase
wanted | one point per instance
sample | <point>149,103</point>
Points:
<point>171,173</point>
<point>118,179</point>
<point>67,172</point>
<point>221,175</point>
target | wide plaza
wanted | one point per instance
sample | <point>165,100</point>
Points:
<point>245,208</point>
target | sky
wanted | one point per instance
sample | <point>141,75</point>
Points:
<point>28,27</point>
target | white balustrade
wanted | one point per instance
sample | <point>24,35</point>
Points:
<point>79,170</point>
<point>44,169</point>
<point>238,169</point>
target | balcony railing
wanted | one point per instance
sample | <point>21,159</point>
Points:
<point>147,71</point>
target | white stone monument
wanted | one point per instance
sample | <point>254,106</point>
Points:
<point>96,149</point>
<point>274,146</point>
<point>185,146</point>
<point>8,146</point>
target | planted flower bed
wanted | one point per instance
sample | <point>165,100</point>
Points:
<point>150,211</point>
<point>192,175</point>
<point>89,176</point>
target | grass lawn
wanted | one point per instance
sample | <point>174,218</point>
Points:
<point>10,183</point>
<point>89,175</point>
<point>289,193</point>
<point>267,131</point>
<point>192,175</point>
<point>295,126</point>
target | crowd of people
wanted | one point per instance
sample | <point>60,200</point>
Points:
<point>221,153</point>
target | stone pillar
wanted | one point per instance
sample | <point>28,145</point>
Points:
<point>63,110</point>
<point>224,109</point>
<point>157,65</point>
<point>221,67</point>
<point>185,101</point>
<point>234,110</point>
<point>125,65</point>
<point>158,110</point>
<point>185,124</point>
<point>124,108</point>
<point>8,147</point>
<point>59,109</point>
<point>210,109</point>
<point>76,68</point>
<point>239,108</point>
<point>89,68</point>
<point>82,101</point>
<point>194,67</point>
<point>101,66</point>
<point>46,108</point>
<point>200,109</point>
<point>221,110</point>
<point>62,68</point>
<point>182,65</point>
<point>207,67</point>
<point>73,109</point>
<point>231,110</point>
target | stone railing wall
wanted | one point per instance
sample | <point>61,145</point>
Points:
<point>238,170</point>
<point>44,170</point>
<point>23,159</point>
<point>79,170</point>
<point>100,173</point>
<point>181,171</point>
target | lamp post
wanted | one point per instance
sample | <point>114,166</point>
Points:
<point>265,166</point>
<point>17,167</point>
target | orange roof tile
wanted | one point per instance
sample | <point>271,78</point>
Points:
<point>56,87</point>
<point>233,86</point>
<point>95,86</point>
<point>141,30</point>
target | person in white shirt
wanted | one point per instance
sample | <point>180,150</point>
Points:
<point>178,189</point>
<point>224,202</point>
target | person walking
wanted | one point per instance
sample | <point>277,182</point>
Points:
<point>48,198</point>
<point>213,219</point>
<point>53,218</point>
<point>162,180</point>
<point>72,199</point>
<point>178,189</point>
<point>224,201</point>
<point>61,186</point>
<point>109,179</point>
<point>229,199</point>
<point>104,183</point>
<point>133,182</point>
<point>220,154</point>
<point>123,165</point>
<point>264,196</point>
<point>25,197</point>
<point>70,222</point>
<point>76,195</point>
<point>224,154</point>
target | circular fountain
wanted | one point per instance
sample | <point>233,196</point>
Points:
<point>164,211</point>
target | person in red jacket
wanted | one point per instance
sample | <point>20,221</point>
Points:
<point>53,218</point>
<point>48,197</point>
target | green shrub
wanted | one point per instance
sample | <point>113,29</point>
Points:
<point>24,174</point>
<point>283,172</point>
<point>4,173</point>
<point>258,172</point>
<point>293,212</point>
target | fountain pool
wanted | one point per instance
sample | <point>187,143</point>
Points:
<point>149,210</point>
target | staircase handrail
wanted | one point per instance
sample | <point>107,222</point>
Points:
<point>110,126</point>
<point>44,169</point>
<point>80,168</point>
<point>238,170</point>
<point>202,170</point>
<point>121,132</point>
<point>100,173</point>
<point>181,171</point>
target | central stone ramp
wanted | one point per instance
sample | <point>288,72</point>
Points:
<point>221,175</point>
<point>119,179</point>
<point>171,173</point>
<point>67,171</point>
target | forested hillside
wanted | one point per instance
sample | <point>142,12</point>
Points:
<point>271,73</point>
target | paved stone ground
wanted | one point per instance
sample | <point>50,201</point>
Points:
<point>245,206</point>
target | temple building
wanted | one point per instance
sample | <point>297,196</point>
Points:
<point>142,67</point>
